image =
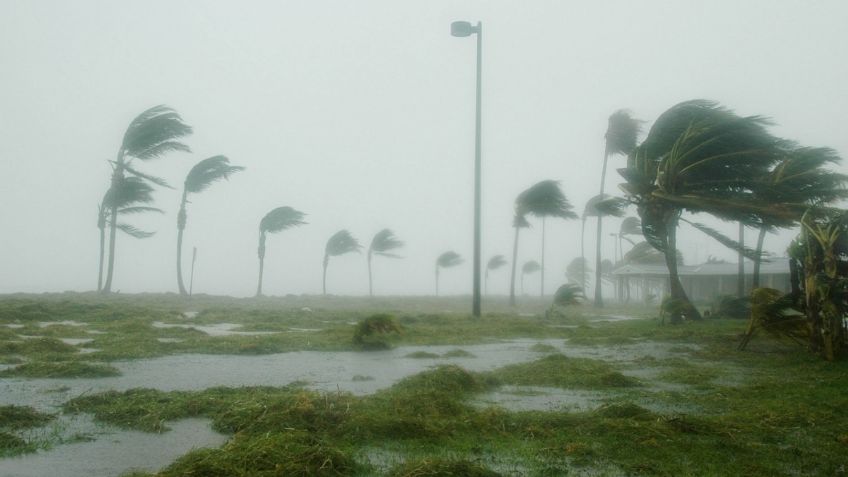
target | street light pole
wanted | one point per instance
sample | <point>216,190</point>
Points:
<point>461,29</point>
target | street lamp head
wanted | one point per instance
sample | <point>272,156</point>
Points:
<point>462,29</point>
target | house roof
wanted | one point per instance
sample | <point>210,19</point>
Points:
<point>775,266</point>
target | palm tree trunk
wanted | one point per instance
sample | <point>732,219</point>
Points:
<point>583,257</point>
<point>755,283</point>
<point>117,177</point>
<point>181,223</point>
<point>542,292</point>
<point>370,286</point>
<point>102,252</point>
<point>486,283</point>
<point>324,279</point>
<point>675,287</point>
<point>522,284</point>
<point>261,253</point>
<point>437,280</point>
<point>512,276</point>
<point>599,299</point>
<point>740,282</point>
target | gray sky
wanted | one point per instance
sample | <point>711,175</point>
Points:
<point>361,114</point>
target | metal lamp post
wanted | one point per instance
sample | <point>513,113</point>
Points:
<point>463,29</point>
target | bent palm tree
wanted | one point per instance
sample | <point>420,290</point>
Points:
<point>446,260</point>
<point>150,135</point>
<point>599,206</point>
<point>340,243</point>
<point>620,138</point>
<point>543,199</point>
<point>382,244</point>
<point>128,197</point>
<point>495,263</point>
<point>531,266</point>
<point>576,270</point>
<point>199,178</point>
<point>277,220</point>
<point>518,222</point>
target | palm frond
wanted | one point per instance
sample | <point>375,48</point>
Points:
<point>156,180</point>
<point>630,226</point>
<point>622,132</point>
<point>281,218</point>
<point>448,259</point>
<point>134,232</point>
<point>154,133</point>
<point>496,262</point>
<point>520,222</point>
<point>384,241</point>
<point>544,199</point>
<point>643,253</point>
<point>139,210</point>
<point>127,192</point>
<point>577,270</point>
<point>568,294</point>
<point>340,243</point>
<point>728,242</point>
<point>208,171</point>
<point>531,266</point>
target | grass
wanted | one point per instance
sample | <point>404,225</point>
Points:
<point>770,411</point>
<point>14,419</point>
<point>60,369</point>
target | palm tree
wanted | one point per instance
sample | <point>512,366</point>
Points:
<point>129,197</point>
<point>150,135</point>
<point>531,266</point>
<point>382,244</point>
<point>620,138</point>
<point>700,157</point>
<point>543,199</point>
<point>446,260</point>
<point>340,243</point>
<point>199,178</point>
<point>518,222</point>
<point>277,220</point>
<point>495,263</point>
<point>576,270</point>
<point>599,206</point>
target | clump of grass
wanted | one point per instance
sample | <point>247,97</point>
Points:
<point>22,417</point>
<point>458,353</point>
<point>360,378</point>
<point>557,370</point>
<point>422,355</point>
<point>692,375</point>
<point>373,332</point>
<point>60,369</point>
<point>543,348</point>
<point>11,444</point>
<point>624,411</point>
<point>442,468</point>
<point>36,346</point>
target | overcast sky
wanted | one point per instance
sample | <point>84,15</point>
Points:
<point>361,114</point>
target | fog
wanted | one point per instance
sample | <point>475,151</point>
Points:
<point>361,114</point>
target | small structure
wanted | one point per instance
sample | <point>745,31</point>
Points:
<point>702,282</point>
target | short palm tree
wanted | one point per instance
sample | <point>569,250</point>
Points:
<point>620,138</point>
<point>129,197</point>
<point>382,245</point>
<point>199,178</point>
<point>277,220</point>
<point>340,243</point>
<point>150,135</point>
<point>529,267</point>
<point>543,199</point>
<point>576,271</point>
<point>448,259</point>
<point>494,263</point>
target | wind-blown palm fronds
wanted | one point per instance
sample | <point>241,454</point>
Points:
<point>599,206</point>
<point>576,271</point>
<point>199,178</point>
<point>340,243</point>
<point>568,295</point>
<point>496,262</point>
<point>150,135</point>
<point>448,259</point>
<point>382,244</point>
<point>530,266</point>
<point>277,220</point>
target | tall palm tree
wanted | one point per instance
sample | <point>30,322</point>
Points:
<point>700,157</point>
<point>518,222</point>
<point>199,178</point>
<point>340,243</point>
<point>620,138</point>
<point>446,260</point>
<point>129,197</point>
<point>543,199</point>
<point>150,135</point>
<point>531,266</point>
<point>382,244</point>
<point>494,263</point>
<point>277,220</point>
<point>599,206</point>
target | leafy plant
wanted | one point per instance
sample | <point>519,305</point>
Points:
<point>373,332</point>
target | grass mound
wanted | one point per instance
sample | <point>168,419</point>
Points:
<point>11,444</point>
<point>557,370</point>
<point>36,346</point>
<point>442,468</point>
<point>22,417</point>
<point>61,369</point>
<point>624,411</point>
<point>373,332</point>
<point>458,353</point>
<point>422,355</point>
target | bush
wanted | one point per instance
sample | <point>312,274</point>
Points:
<point>373,332</point>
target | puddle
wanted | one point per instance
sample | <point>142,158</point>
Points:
<point>190,314</point>
<point>218,329</point>
<point>539,398</point>
<point>95,332</point>
<point>115,452</point>
<point>169,340</point>
<point>45,324</point>
<point>304,330</point>
<point>76,341</point>
<point>613,318</point>
<point>15,326</point>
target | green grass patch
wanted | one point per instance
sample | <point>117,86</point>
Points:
<point>442,468</point>
<point>22,417</point>
<point>557,370</point>
<point>458,353</point>
<point>61,369</point>
<point>422,355</point>
<point>543,348</point>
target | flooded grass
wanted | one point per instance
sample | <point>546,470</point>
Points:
<point>60,369</point>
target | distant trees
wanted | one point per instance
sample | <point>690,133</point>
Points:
<point>448,259</point>
<point>277,220</point>
<point>382,245</point>
<point>494,263</point>
<point>150,135</point>
<point>340,243</point>
<point>198,179</point>
<point>529,267</point>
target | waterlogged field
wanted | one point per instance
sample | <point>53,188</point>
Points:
<point>160,385</point>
